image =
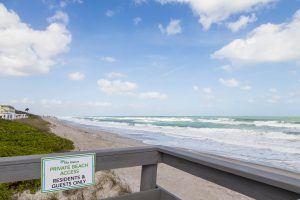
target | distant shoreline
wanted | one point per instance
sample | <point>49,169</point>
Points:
<point>82,134</point>
<point>86,138</point>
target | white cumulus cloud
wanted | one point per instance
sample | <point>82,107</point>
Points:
<point>153,95</point>
<point>173,28</point>
<point>25,51</point>
<point>116,86</point>
<point>229,82</point>
<point>242,22</point>
<point>76,76</point>
<point>267,43</point>
<point>59,16</point>
<point>215,11</point>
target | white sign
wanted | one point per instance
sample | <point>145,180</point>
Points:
<point>67,172</point>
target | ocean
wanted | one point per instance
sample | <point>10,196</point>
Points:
<point>271,141</point>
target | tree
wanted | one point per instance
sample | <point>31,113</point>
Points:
<point>26,110</point>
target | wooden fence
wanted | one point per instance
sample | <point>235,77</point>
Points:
<point>256,181</point>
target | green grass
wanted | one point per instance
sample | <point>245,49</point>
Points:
<point>27,137</point>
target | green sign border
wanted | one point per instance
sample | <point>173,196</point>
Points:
<point>64,157</point>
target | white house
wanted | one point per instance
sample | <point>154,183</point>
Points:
<point>9,113</point>
<point>7,109</point>
<point>21,116</point>
<point>8,116</point>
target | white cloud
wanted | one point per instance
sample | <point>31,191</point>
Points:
<point>229,82</point>
<point>59,16</point>
<point>99,103</point>
<point>242,22</point>
<point>116,86</point>
<point>206,92</point>
<point>173,28</point>
<point>153,95</point>
<point>115,75</point>
<point>233,83</point>
<point>108,59</point>
<point>76,76</point>
<point>267,43</point>
<point>25,51</point>
<point>137,20</point>
<point>109,13</point>
<point>215,11</point>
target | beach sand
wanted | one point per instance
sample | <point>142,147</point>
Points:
<point>182,184</point>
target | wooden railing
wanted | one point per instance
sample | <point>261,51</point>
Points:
<point>256,181</point>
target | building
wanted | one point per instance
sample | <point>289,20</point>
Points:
<point>9,113</point>
<point>8,116</point>
<point>7,109</point>
<point>21,116</point>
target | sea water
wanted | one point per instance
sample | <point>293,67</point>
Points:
<point>271,141</point>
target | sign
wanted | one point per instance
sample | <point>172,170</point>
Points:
<point>67,172</point>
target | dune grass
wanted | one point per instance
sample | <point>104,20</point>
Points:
<point>27,137</point>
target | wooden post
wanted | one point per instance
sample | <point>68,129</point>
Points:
<point>148,177</point>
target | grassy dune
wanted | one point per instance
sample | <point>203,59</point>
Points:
<point>27,137</point>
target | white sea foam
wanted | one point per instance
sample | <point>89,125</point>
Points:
<point>217,120</point>
<point>274,148</point>
<point>278,124</point>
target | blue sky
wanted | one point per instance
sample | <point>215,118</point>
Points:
<point>155,57</point>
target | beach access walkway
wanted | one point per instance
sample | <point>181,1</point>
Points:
<point>256,181</point>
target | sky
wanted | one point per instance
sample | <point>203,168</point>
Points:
<point>151,57</point>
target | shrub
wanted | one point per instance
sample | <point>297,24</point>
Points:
<point>28,137</point>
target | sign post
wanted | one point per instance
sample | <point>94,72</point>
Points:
<point>67,172</point>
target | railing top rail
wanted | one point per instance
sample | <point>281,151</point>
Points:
<point>28,167</point>
<point>273,176</point>
<point>102,152</point>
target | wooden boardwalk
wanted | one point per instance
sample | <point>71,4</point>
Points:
<point>256,181</point>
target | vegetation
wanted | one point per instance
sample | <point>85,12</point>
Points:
<point>27,137</point>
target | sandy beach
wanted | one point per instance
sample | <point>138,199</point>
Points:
<point>182,184</point>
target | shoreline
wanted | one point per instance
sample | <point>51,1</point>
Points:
<point>173,180</point>
<point>83,134</point>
